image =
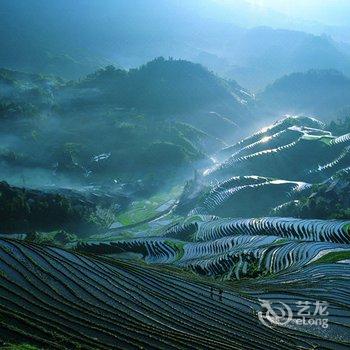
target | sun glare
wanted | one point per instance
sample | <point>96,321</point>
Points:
<point>265,139</point>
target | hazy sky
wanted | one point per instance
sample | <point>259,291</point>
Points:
<point>332,12</point>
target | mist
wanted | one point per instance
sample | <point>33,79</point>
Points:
<point>328,12</point>
<point>174,174</point>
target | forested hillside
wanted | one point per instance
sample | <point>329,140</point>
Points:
<point>174,175</point>
<point>157,118</point>
<point>323,93</point>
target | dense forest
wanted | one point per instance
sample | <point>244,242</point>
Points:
<point>158,116</point>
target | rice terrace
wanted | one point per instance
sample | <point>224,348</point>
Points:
<point>199,201</point>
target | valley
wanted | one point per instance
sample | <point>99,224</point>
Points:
<point>198,260</point>
<point>174,174</point>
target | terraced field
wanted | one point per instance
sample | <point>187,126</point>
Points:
<point>271,131</point>
<point>58,299</point>
<point>197,270</point>
<point>275,150</point>
<point>236,248</point>
<point>277,165</point>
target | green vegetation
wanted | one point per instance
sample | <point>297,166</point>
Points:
<point>317,92</point>
<point>161,86</point>
<point>19,347</point>
<point>137,210</point>
<point>334,257</point>
<point>24,210</point>
<point>328,200</point>
<point>341,126</point>
<point>145,209</point>
<point>154,120</point>
<point>178,247</point>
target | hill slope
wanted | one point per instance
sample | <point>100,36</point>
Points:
<point>167,86</point>
<point>167,114</point>
<point>84,36</point>
<point>59,300</point>
<point>316,92</point>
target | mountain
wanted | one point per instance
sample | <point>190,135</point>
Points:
<point>328,200</point>
<point>79,212</point>
<point>171,89</point>
<point>257,170</point>
<point>201,248</point>
<point>230,38</point>
<point>165,116</point>
<point>165,86</point>
<point>260,55</point>
<point>107,169</point>
<point>317,92</point>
